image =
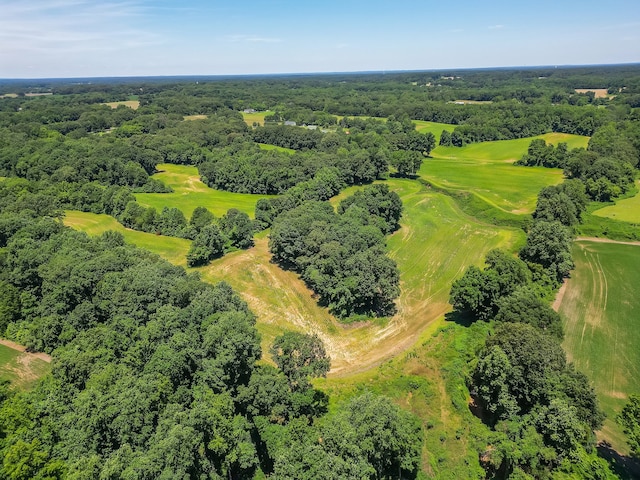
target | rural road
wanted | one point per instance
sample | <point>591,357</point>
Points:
<point>22,348</point>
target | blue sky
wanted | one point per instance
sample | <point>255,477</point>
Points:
<point>79,38</point>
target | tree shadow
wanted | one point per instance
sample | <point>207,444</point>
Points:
<point>464,319</point>
<point>625,467</point>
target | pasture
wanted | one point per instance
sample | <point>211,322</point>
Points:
<point>486,171</point>
<point>434,245</point>
<point>134,104</point>
<point>600,305</point>
<point>626,210</point>
<point>20,368</point>
<point>189,192</point>
<point>171,249</point>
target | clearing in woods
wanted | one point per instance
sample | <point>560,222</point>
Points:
<point>627,210</point>
<point>171,249</point>
<point>599,92</point>
<point>255,117</point>
<point>434,245</point>
<point>134,104</point>
<point>22,369</point>
<point>433,127</point>
<point>189,192</point>
<point>485,170</point>
<point>600,309</point>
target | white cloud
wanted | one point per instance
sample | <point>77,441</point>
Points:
<point>69,26</point>
<point>496,27</point>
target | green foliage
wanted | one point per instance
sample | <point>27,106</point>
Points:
<point>300,357</point>
<point>629,418</point>
<point>341,257</point>
<point>549,244</point>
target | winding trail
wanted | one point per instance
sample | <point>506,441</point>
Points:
<point>606,240</point>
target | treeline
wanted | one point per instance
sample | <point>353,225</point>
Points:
<point>341,256</point>
<point>606,167</point>
<point>155,374</point>
<point>542,411</point>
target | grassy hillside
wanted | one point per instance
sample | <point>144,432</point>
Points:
<point>486,171</point>
<point>600,307</point>
<point>172,249</point>
<point>189,192</point>
<point>434,245</point>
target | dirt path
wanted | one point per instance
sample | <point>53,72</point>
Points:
<point>606,240</point>
<point>21,348</point>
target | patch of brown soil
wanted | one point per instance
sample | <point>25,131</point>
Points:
<point>21,348</point>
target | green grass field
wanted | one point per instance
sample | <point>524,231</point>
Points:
<point>600,308</point>
<point>627,210</point>
<point>436,243</point>
<point>21,369</point>
<point>486,170</point>
<point>433,127</point>
<point>170,248</point>
<point>267,146</point>
<point>189,192</point>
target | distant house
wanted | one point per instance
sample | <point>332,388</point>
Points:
<point>290,123</point>
<point>249,110</point>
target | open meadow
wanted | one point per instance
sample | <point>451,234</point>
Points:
<point>255,117</point>
<point>626,210</point>
<point>600,307</point>
<point>435,243</point>
<point>189,192</point>
<point>172,249</point>
<point>486,171</point>
<point>433,127</point>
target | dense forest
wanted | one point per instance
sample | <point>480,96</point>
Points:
<point>159,374</point>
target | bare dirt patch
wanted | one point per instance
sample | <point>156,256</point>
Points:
<point>600,92</point>
<point>21,348</point>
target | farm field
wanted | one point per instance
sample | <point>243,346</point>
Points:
<point>435,243</point>
<point>20,368</point>
<point>172,249</point>
<point>600,307</point>
<point>189,192</point>
<point>486,170</point>
<point>627,210</point>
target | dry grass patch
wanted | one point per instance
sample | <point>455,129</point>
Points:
<point>134,104</point>
<point>600,92</point>
<point>194,117</point>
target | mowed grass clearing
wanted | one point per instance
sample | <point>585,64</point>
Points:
<point>134,104</point>
<point>627,210</point>
<point>171,249</point>
<point>255,117</point>
<point>20,368</point>
<point>600,309</point>
<point>189,192</point>
<point>433,127</point>
<point>436,243</point>
<point>485,170</point>
<point>268,146</point>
